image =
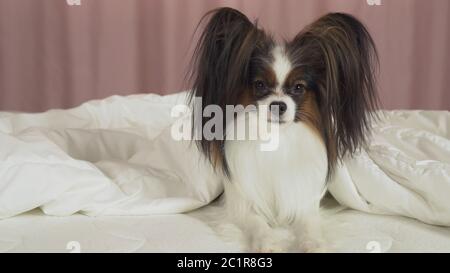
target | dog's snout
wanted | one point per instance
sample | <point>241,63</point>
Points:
<point>282,107</point>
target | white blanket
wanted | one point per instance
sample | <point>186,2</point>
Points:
<point>117,157</point>
<point>405,170</point>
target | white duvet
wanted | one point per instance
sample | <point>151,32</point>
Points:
<point>117,157</point>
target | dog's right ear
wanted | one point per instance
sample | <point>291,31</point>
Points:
<point>220,67</point>
<point>222,54</point>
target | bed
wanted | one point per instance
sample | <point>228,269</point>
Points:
<point>108,176</point>
<point>34,231</point>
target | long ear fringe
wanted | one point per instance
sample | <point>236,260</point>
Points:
<point>219,69</point>
<point>341,51</point>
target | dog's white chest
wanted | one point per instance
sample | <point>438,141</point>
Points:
<point>280,184</point>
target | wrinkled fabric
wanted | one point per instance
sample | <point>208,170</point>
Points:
<point>109,157</point>
<point>117,157</point>
<point>404,170</point>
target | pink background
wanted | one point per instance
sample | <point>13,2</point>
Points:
<point>56,55</point>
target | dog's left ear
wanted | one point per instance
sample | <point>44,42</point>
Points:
<point>340,54</point>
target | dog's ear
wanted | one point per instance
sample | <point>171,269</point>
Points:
<point>222,55</point>
<point>340,53</point>
<point>220,66</point>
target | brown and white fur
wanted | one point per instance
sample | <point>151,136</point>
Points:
<point>318,90</point>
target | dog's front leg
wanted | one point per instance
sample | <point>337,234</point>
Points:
<point>309,233</point>
<point>252,229</point>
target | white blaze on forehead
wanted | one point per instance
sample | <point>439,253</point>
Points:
<point>281,66</point>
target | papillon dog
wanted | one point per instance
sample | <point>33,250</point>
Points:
<point>318,89</point>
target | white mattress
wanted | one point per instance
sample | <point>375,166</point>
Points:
<point>36,232</point>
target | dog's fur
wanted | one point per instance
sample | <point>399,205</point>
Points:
<point>322,84</point>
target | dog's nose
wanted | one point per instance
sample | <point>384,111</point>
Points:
<point>282,107</point>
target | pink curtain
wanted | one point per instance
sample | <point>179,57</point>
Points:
<point>56,55</point>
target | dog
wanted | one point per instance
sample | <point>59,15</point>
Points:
<point>318,90</point>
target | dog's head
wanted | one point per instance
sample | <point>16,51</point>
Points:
<point>323,77</point>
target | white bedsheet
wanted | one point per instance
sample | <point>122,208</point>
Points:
<point>116,157</point>
<point>352,231</point>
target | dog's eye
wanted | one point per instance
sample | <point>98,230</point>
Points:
<point>260,88</point>
<point>298,89</point>
<point>259,85</point>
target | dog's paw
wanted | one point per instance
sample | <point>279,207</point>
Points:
<point>312,245</point>
<point>276,241</point>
